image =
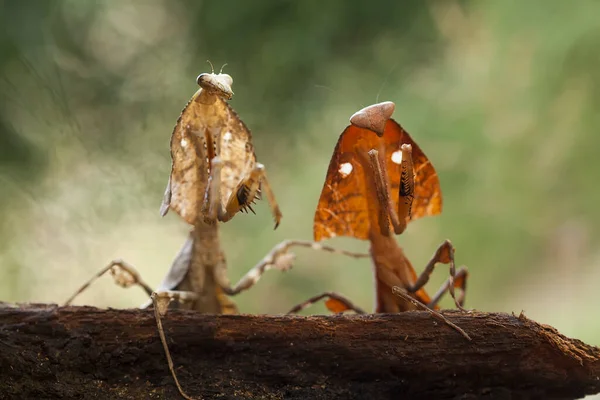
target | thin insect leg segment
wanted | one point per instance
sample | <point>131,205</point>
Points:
<point>378,171</point>
<point>279,258</point>
<point>125,275</point>
<point>346,303</point>
<point>452,285</point>
<point>403,294</point>
<point>161,304</point>
<point>265,187</point>
<point>460,282</point>
<point>445,255</point>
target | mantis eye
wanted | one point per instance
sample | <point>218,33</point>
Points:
<point>200,79</point>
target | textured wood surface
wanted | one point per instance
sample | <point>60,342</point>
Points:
<point>82,352</point>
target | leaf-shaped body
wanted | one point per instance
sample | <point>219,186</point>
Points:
<point>344,208</point>
<point>207,127</point>
<point>350,204</point>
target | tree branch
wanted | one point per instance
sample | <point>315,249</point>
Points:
<point>84,352</point>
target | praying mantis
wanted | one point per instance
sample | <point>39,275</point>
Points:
<point>378,180</point>
<point>370,193</point>
<point>214,175</point>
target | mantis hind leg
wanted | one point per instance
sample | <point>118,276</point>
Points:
<point>460,282</point>
<point>279,258</point>
<point>445,255</point>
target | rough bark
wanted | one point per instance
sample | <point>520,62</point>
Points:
<point>83,352</point>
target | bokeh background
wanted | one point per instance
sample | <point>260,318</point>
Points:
<point>503,96</point>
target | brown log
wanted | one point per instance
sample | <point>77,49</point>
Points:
<point>82,352</point>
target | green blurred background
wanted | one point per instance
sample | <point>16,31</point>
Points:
<point>503,97</point>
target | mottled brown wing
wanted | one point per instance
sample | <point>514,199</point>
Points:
<point>190,167</point>
<point>428,193</point>
<point>234,147</point>
<point>343,208</point>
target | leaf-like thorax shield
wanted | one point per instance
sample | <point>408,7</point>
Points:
<point>207,127</point>
<point>344,208</point>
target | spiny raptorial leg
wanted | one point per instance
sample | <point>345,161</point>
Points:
<point>124,274</point>
<point>245,193</point>
<point>346,303</point>
<point>279,258</point>
<point>388,211</point>
<point>265,187</point>
<point>160,301</point>
<point>444,254</point>
<point>406,191</point>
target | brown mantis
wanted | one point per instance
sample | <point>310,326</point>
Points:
<point>378,180</point>
<point>214,175</point>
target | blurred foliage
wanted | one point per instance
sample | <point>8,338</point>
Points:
<point>503,97</point>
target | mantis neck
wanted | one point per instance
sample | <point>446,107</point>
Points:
<point>205,97</point>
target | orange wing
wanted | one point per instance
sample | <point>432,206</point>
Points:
<point>343,209</point>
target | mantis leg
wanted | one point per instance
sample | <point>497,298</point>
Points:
<point>460,282</point>
<point>124,274</point>
<point>160,301</point>
<point>335,302</point>
<point>378,170</point>
<point>279,258</point>
<point>242,197</point>
<point>445,255</point>
<point>400,292</point>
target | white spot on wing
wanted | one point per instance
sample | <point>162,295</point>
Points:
<point>184,143</point>
<point>345,169</point>
<point>227,136</point>
<point>397,156</point>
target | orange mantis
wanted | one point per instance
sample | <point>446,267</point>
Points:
<point>378,180</point>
